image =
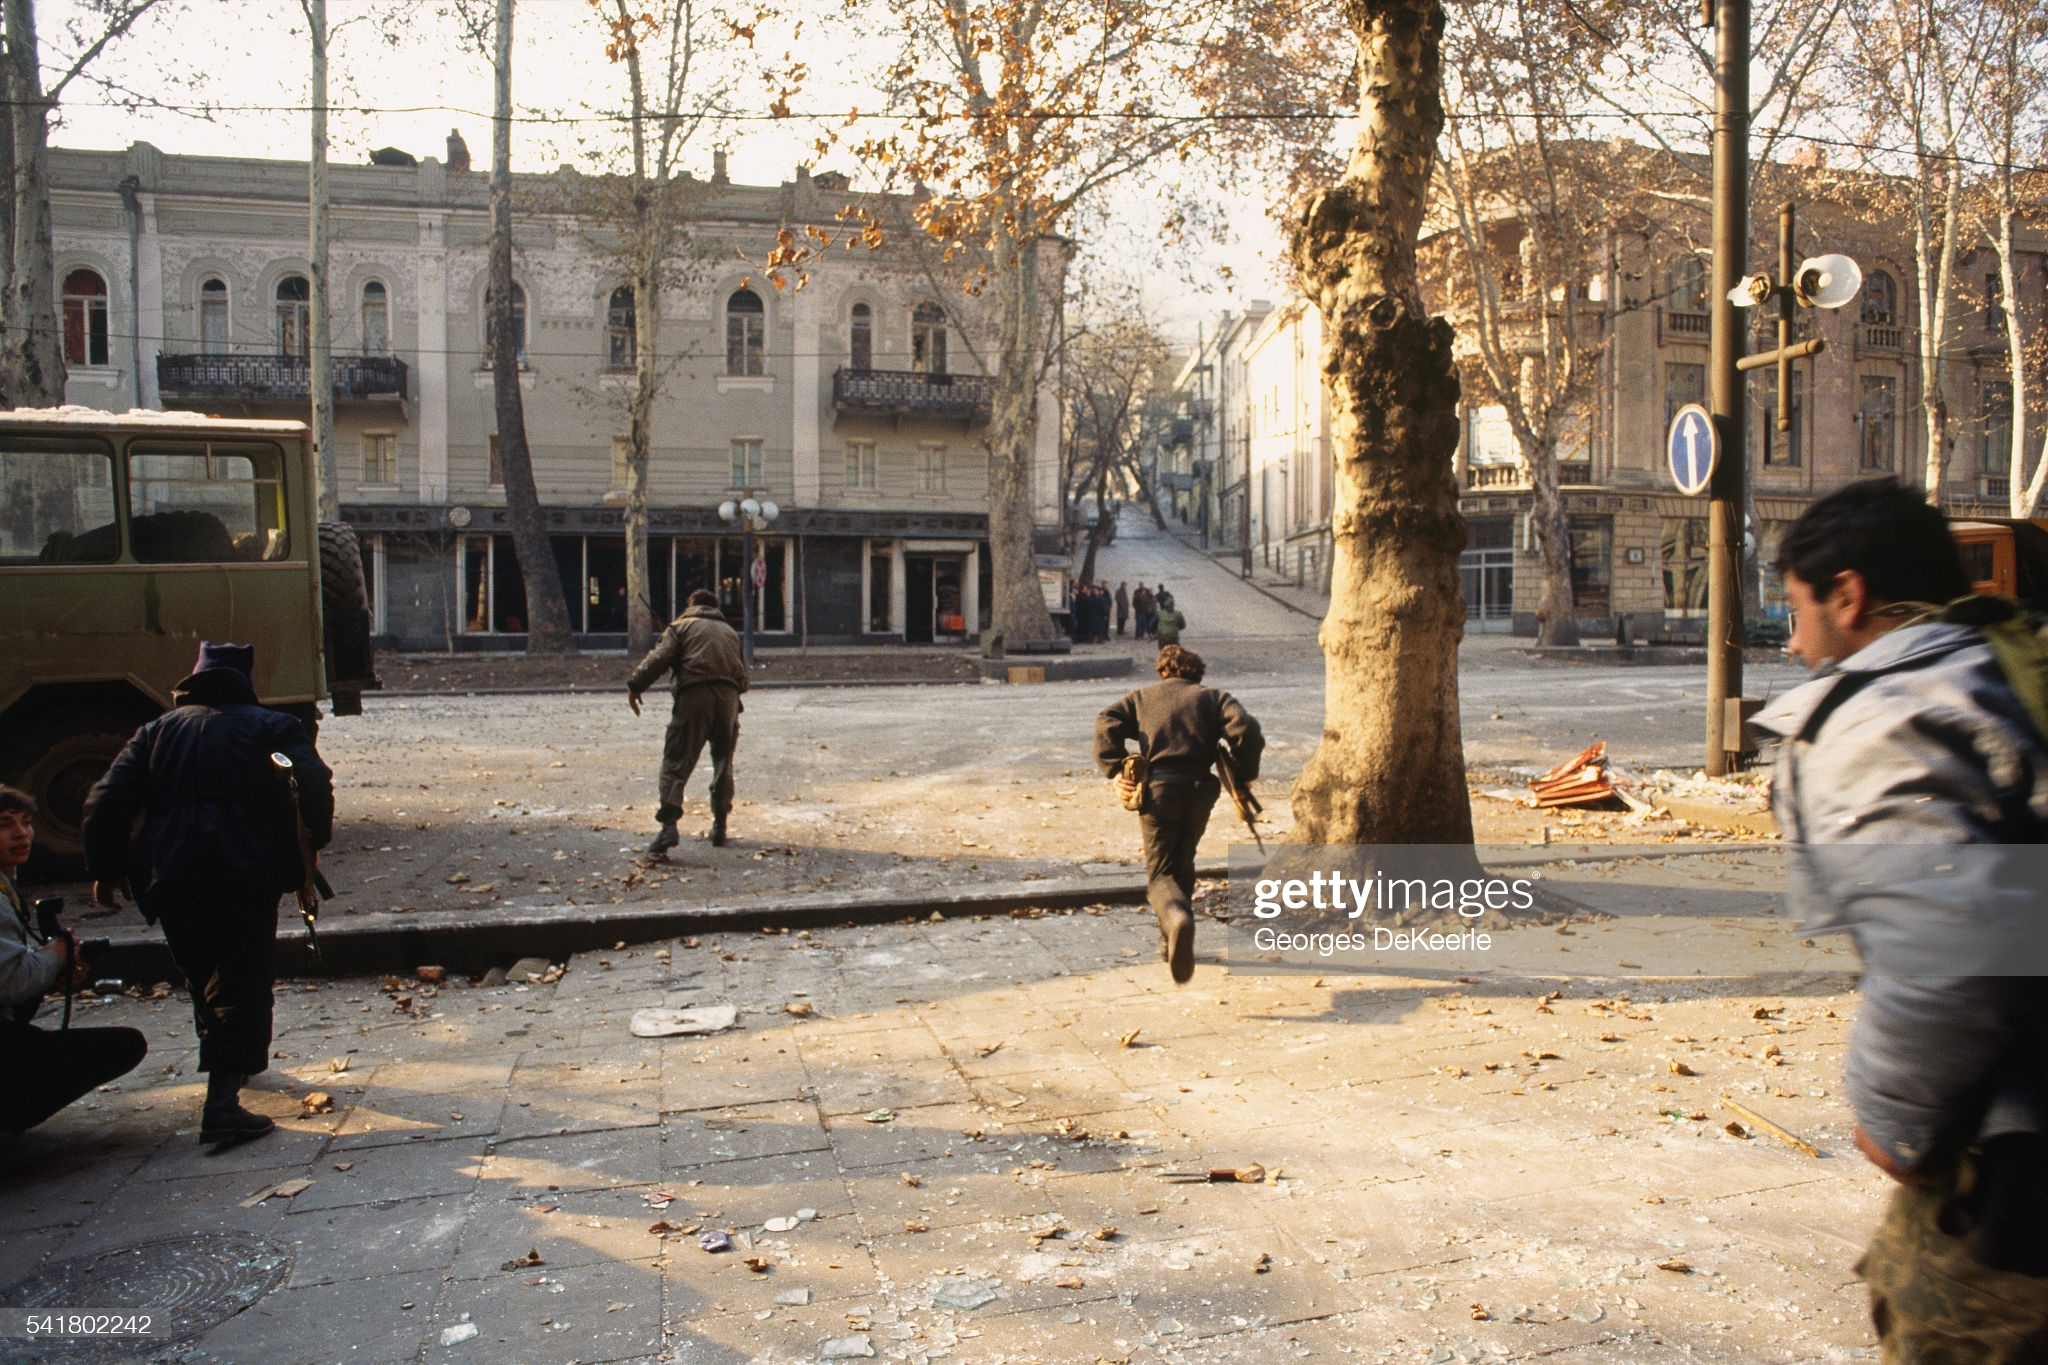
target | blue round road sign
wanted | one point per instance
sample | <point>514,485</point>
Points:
<point>1694,448</point>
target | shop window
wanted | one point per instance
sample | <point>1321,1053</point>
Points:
<point>1682,551</point>
<point>85,318</point>
<point>1592,542</point>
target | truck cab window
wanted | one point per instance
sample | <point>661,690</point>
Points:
<point>201,502</point>
<point>56,503</point>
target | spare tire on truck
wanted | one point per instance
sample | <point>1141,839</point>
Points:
<point>345,613</point>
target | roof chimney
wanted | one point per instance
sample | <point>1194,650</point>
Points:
<point>718,175</point>
<point>458,151</point>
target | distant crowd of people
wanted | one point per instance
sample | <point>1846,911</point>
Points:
<point>1149,613</point>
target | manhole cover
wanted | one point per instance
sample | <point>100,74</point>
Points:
<point>182,1285</point>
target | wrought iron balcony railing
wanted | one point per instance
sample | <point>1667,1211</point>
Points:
<point>907,393</point>
<point>263,378</point>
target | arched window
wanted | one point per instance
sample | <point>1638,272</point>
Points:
<point>1880,299</point>
<point>928,339</point>
<point>376,319</point>
<point>213,316</point>
<point>861,336</point>
<point>618,330</point>
<point>745,324</point>
<point>85,318</point>
<point>1688,284</point>
<point>518,327</point>
<point>294,317</point>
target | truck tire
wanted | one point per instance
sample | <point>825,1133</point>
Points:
<point>345,608</point>
<point>56,759</point>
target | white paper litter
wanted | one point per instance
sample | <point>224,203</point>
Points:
<point>669,1023</point>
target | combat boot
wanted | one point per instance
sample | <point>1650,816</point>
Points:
<point>666,839</point>
<point>224,1120</point>
<point>718,831</point>
<point>1177,942</point>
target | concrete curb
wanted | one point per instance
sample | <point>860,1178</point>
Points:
<point>475,941</point>
<point>580,689</point>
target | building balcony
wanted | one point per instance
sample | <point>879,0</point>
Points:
<point>1686,327</point>
<point>1873,336</point>
<point>900,394</point>
<point>275,378</point>
<point>1498,476</point>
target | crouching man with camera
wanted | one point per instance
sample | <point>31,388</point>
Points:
<point>41,1071</point>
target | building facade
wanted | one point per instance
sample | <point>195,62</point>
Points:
<point>857,403</point>
<point>1639,548</point>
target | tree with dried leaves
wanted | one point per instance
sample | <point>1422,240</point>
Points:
<point>547,611</point>
<point>1114,390</point>
<point>1018,113</point>
<point>32,367</point>
<point>2007,124</point>
<point>677,88</point>
<point>1391,764</point>
<point>1917,67</point>
<point>1533,199</point>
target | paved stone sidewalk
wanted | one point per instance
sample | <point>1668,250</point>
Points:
<point>982,1109</point>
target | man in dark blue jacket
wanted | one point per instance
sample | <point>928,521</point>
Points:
<point>214,851</point>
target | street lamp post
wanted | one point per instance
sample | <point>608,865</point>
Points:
<point>1724,395</point>
<point>753,515</point>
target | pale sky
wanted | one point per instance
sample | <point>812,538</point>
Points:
<point>404,63</point>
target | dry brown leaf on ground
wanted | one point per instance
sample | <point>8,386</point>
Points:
<point>1679,1068</point>
<point>530,1259</point>
<point>318,1102</point>
<point>1128,1039</point>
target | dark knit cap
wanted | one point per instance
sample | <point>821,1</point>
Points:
<point>241,658</point>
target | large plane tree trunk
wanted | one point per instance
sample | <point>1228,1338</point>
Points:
<point>1017,602</point>
<point>35,353</point>
<point>1556,622</point>
<point>1391,764</point>
<point>547,614</point>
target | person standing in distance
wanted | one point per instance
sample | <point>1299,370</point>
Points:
<point>1176,724</point>
<point>1910,734</point>
<point>42,1071</point>
<point>1123,608</point>
<point>215,848</point>
<point>704,653</point>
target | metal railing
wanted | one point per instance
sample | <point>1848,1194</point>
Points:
<point>259,378</point>
<point>907,393</point>
<point>1677,326</point>
<point>1874,336</point>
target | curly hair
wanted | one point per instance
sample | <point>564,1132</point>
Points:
<point>1175,662</point>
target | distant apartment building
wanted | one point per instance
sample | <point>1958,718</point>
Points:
<point>1639,547</point>
<point>856,403</point>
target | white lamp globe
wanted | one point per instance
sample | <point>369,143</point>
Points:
<point>750,507</point>
<point>769,511</point>
<point>728,510</point>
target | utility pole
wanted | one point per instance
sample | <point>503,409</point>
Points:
<point>1725,346</point>
<point>319,342</point>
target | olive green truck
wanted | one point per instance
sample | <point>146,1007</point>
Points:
<point>126,540</point>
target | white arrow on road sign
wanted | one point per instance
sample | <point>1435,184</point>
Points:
<point>1693,448</point>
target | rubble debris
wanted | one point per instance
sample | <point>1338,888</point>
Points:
<point>757,1264</point>
<point>1674,1265</point>
<point>1760,1122</point>
<point>459,1333</point>
<point>715,1240</point>
<point>431,976</point>
<point>848,1348</point>
<point>1578,781</point>
<point>528,969</point>
<point>880,1115</point>
<point>802,1009</point>
<point>531,1258</point>
<point>794,1298</point>
<point>965,1295</point>
<point>671,1023</point>
<point>1263,1265</point>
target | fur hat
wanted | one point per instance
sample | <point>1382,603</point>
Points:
<point>241,658</point>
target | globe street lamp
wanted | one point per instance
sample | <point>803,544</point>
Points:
<point>752,514</point>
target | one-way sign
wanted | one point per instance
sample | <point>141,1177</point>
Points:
<point>1694,449</point>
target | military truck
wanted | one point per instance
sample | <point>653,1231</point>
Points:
<point>125,540</point>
